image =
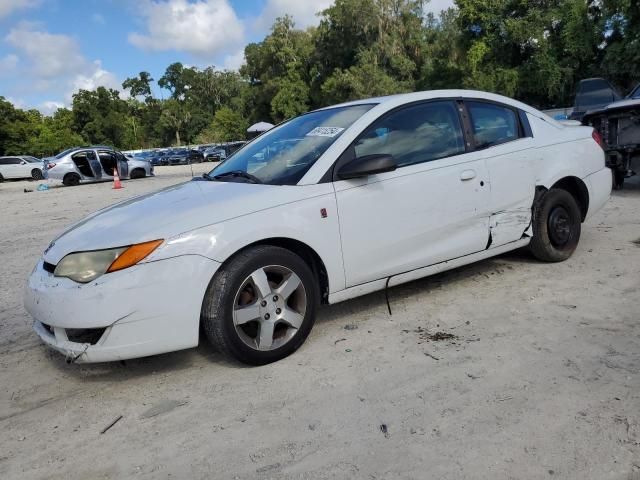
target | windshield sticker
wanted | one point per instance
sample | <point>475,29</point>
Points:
<point>324,132</point>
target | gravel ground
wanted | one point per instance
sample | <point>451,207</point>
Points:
<point>539,378</point>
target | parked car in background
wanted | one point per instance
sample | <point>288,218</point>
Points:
<point>20,167</point>
<point>591,94</point>
<point>95,163</point>
<point>184,156</point>
<point>215,154</point>
<point>619,125</point>
<point>219,153</point>
<point>327,206</point>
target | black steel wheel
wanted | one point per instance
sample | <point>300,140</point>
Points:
<point>556,226</point>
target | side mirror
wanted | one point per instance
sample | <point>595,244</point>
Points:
<point>367,165</point>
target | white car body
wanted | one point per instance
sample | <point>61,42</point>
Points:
<point>20,167</point>
<point>368,233</point>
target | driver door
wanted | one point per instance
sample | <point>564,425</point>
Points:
<point>432,208</point>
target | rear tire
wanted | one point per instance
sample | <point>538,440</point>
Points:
<point>238,312</point>
<point>71,180</point>
<point>1,178</point>
<point>556,226</point>
<point>36,174</point>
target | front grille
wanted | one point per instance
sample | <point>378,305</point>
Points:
<point>49,267</point>
<point>85,335</point>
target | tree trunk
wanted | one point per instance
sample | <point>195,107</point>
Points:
<point>178,137</point>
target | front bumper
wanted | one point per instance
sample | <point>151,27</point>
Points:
<point>150,308</point>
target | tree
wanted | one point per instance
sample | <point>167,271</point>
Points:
<point>279,70</point>
<point>175,116</point>
<point>102,117</point>
<point>228,125</point>
<point>177,79</point>
<point>139,86</point>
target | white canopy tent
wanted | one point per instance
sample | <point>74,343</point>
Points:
<point>260,127</point>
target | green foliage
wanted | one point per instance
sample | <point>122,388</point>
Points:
<point>227,125</point>
<point>535,51</point>
<point>139,86</point>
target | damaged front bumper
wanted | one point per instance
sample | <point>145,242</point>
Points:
<point>148,309</point>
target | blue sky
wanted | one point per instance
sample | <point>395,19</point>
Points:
<point>51,48</point>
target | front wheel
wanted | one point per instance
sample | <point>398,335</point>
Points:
<point>261,306</point>
<point>556,226</point>
<point>137,173</point>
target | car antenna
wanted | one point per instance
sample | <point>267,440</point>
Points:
<point>386,294</point>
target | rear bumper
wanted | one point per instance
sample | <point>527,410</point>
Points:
<point>599,185</point>
<point>148,309</point>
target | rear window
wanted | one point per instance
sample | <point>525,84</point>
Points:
<point>492,124</point>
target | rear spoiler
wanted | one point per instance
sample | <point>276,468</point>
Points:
<point>570,123</point>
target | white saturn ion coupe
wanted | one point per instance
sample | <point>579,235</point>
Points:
<point>333,204</point>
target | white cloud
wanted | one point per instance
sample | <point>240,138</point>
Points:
<point>51,55</point>
<point>8,64</point>
<point>55,64</point>
<point>234,61</point>
<point>49,107</point>
<point>202,28</point>
<point>436,6</point>
<point>97,77</point>
<point>17,102</point>
<point>304,13</point>
<point>7,7</point>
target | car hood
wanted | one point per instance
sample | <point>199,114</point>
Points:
<point>170,212</point>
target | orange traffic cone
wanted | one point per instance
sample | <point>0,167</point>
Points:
<point>116,180</point>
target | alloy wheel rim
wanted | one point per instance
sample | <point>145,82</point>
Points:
<point>269,307</point>
<point>559,224</point>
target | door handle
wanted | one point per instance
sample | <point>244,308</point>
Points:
<point>467,175</point>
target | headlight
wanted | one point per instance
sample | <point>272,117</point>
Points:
<point>83,267</point>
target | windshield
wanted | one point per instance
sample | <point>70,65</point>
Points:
<point>283,155</point>
<point>636,93</point>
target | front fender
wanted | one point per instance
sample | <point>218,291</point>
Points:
<point>302,220</point>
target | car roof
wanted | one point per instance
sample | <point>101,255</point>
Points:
<point>403,98</point>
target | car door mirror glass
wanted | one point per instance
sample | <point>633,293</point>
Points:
<point>367,165</point>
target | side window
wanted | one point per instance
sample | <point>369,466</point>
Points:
<point>415,134</point>
<point>492,124</point>
<point>4,161</point>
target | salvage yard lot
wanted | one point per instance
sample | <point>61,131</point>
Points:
<point>508,368</point>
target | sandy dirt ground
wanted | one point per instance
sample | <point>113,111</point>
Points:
<point>540,379</point>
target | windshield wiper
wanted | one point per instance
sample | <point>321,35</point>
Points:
<point>237,174</point>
